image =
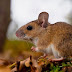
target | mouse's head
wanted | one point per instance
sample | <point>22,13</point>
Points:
<point>34,28</point>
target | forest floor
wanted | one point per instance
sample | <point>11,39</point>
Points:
<point>18,56</point>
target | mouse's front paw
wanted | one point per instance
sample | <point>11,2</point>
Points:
<point>33,48</point>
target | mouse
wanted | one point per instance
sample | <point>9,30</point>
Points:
<point>48,38</point>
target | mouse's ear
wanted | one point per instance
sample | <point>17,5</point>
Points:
<point>43,19</point>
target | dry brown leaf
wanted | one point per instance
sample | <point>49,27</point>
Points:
<point>28,63</point>
<point>5,69</point>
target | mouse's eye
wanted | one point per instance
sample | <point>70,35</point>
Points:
<point>29,28</point>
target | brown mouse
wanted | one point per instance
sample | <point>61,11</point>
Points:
<point>48,38</point>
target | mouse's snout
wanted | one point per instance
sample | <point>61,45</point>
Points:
<point>20,33</point>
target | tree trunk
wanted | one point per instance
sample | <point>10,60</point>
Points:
<point>4,20</point>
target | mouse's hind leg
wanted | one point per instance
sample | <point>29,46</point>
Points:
<point>57,56</point>
<point>57,60</point>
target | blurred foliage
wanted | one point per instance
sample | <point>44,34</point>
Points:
<point>17,46</point>
<point>18,50</point>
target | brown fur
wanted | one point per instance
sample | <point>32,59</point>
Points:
<point>58,34</point>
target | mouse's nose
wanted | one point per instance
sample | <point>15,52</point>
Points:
<point>20,33</point>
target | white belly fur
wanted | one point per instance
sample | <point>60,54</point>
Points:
<point>51,50</point>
